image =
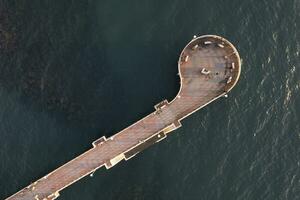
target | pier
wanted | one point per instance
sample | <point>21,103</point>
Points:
<point>209,67</point>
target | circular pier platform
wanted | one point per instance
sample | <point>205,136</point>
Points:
<point>208,65</point>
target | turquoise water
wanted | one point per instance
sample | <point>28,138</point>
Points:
<point>73,71</point>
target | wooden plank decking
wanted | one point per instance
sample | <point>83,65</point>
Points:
<point>209,67</point>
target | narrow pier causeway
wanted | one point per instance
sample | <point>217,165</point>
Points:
<point>209,67</point>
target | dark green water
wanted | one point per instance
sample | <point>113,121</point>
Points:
<point>72,71</point>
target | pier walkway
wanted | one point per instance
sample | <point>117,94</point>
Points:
<point>209,67</point>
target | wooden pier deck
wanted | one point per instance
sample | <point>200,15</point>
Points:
<point>209,67</point>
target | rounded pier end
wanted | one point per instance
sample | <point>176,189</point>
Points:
<point>208,65</point>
